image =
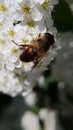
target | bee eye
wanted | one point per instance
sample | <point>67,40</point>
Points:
<point>50,38</point>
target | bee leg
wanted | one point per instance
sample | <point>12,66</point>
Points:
<point>23,47</point>
<point>35,62</point>
<point>39,35</point>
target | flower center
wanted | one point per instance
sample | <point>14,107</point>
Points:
<point>31,23</point>
<point>45,4</point>
<point>14,50</point>
<point>2,41</point>
<point>26,9</point>
<point>24,40</point>
<point>3,7</point>
<point>11,33</point>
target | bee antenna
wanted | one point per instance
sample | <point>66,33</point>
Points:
<point>15,42</point>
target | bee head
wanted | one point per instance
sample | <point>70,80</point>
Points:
<point>50,38</point>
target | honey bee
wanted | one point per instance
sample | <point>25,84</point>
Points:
<point>36,49</point>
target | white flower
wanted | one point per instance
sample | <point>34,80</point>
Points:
<point>43,113</point>
<point>50,120</point>
<point>28,10</point>
<point>31,99</point>
<point>30,121</point>
<point>21,21</point>
<point>9,84</point>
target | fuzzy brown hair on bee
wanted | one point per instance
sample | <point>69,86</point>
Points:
<point>36,49</point>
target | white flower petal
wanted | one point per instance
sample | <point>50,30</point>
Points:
<point>36,14</point>
<point>29,124</point>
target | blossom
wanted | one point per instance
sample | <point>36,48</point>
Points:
<point>21,21</point>
<point>31,99</point>
<point>29,124</point>
<point>46,116</point>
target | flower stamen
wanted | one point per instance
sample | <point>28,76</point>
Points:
<point>45,5</point>
<point>11,33</point>
<point>2,41</point>
<point>26,9</point>
<point>3,7</point>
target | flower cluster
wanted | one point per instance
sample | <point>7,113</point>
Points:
<point>46,116</point>
<point>21,21</point>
